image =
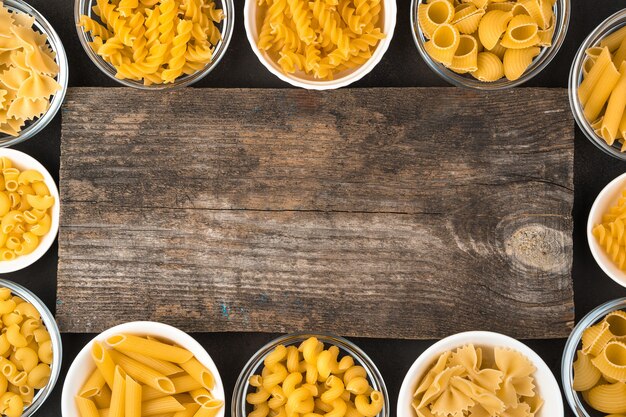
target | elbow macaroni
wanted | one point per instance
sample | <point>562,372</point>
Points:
<point>312,381</point>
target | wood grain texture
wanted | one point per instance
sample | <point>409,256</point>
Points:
<point>401,213</point>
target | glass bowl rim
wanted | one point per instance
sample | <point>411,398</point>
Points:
<point>563,7</point>
<point>571,347</point>
<point>183,81</point>
<point>55,42</point>
<point>607,26</point>
<point>242,385</point>
<point>57,345</point>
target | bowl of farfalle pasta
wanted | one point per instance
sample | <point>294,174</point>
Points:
<point>489,44</point>
<point>593,368</point>
<point>155,44</point>
<point>320,44</point>
<point>33,72</point>
<point>479,374</point>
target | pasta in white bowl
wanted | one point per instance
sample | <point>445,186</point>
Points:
<point>459,357</point>
<point>38,243</point>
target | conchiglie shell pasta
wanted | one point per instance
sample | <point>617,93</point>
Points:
<point>492,26</point>
<point>586,375</point>
<point>434,14</point>
<point>608,398</point>
<point>617,324</point>
<point>595,338</point>
<point>443,44</point>
<point>490,67</point>
<point>612,361</point>
<point>517,61</point>
<point>466,57</point>
<point>467,22</point>
<point>522,32</point>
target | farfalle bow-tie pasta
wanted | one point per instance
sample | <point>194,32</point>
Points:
<point>155,41</point>
<point>488,39</point>
<point>27,71</point>
<point>478,382</point>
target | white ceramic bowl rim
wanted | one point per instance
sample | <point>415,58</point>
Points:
<point>390,12</point>
<point>607,198</point>
<point>36,126</point>
<point>22,161</point>
<point>55,337</point>
<point>544,378</point>
<point>79,371</point>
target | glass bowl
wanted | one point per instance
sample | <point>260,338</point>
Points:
<point>84,7</point>
<point>55,336</point>
<point>562,12</point>
<point>239,407</point>
<point>42,25</point>
<point>569,355</point>
<point>613,23</point>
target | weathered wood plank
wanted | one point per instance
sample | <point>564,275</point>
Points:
<point>409,213</point>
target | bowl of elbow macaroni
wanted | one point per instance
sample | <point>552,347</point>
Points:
<point>143,369</point>
<point>310,374</point>
<point>29,210</point>
<point>30,351</point>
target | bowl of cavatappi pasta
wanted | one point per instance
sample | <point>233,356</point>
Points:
<point>33,72</point>
<point>310,374</point>
<point>29,210</point>
<point>593,368</point>
<point>155,44</point>
<point>597,86</point>
<point>489,44</point>
<point>318,44</point>
<point>605,230</point>
<point>143,369</point>
<point>479,374</point>
<point>30,351</point>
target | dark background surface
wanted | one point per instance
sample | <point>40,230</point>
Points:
<point>401,67</point>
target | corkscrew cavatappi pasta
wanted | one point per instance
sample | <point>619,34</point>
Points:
<point>25,354</point>
<point>320,38</point>
<point>311,380</point>
<point>141,376</point>
<point>610,233</point>
<point>27,71</point>
<point>25,210</point>
<point>488,39</point>
<point>155,41</point>
<point>478,382</point>
<point>600,366</point>
<point>602,92</point>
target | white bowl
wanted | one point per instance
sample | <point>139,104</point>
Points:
<point>302,80</point>
<point>604,201</point>
<point>23,161</point>
<point>83,365</point>
<point>546,384</point>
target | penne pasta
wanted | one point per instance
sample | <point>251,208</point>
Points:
<point>200,373</point>
<point>94,385</point>
<point>132,401</point>
<point>86,407</point>
<point>143,373</point>
<point>161,406</point>
<point>164,367</point>
<point>150,348</point>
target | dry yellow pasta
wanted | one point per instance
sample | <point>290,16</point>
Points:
<point>600,366</point>
<point>22,369</point>
<point>25,211</point>
<point>155,42</point>
<point>310,380</point>
<point>507,35</point>
<point>320,38</point>
<point>610,233</point>
<point>128,380</point>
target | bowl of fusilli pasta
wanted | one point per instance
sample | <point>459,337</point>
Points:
<point>155,44</point>
<point>319,45</point>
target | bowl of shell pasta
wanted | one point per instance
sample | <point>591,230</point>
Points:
<point>317,44</point>
<point>489,44</point>
<point>310,374</point>
<point>155,45</point>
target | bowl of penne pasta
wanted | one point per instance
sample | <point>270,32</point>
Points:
<point>597,86</point>
<point>143,369</point>
<point>310,374</point>
<point>34,76</point>
<point>31,347</point>
<point>488,44</point>
<point>29,210</point>
<point>320,45</point>
<point>152,44</point>
<point>592,367</point>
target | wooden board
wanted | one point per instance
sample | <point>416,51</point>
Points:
<point>402,213</point>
